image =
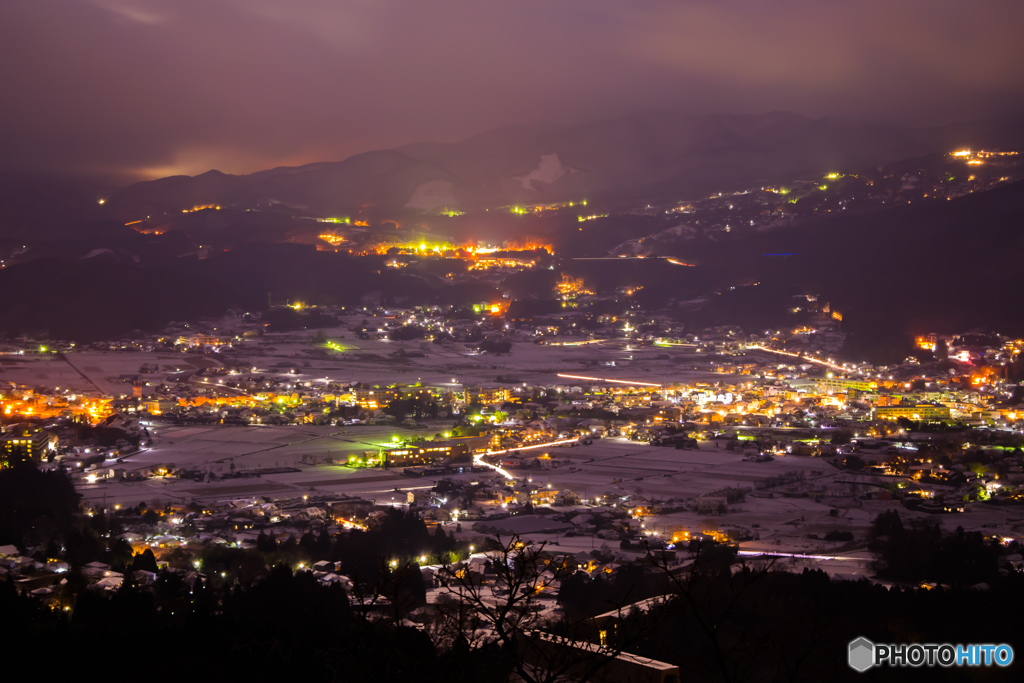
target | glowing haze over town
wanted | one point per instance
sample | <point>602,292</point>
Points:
<point>517,342</point>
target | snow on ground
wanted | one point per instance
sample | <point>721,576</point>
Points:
<point>376,361</point>
<point>608,467</point>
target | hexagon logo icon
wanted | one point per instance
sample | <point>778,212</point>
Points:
<point>861,654</point>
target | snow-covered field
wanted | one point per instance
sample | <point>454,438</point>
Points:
<point>610,468</point>
<point>376,361</point>
<point>607,468</point>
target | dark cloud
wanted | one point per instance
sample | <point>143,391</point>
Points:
<point>164,86</point>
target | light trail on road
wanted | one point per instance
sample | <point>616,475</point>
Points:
<point>576,343</point>
<point>477,458</point>
<point>797,355</point>
<point>616,381</point>
<point>221,386</point>
<point>759,553</point>
<point>670,259</point>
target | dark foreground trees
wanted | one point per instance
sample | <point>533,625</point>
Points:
<point>250,616</point>
<point>285,627</point>
<point>35,505</point>
<point>758,625</point>
<point>753,623</point>
<point>922,553</point>
<point>717,623</point>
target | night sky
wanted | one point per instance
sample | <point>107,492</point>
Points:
<point>141,88</point>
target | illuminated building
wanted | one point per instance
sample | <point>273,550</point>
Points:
<point>835,384</point>
<point>425,454</point>
<point>921,411</point>
<point>536,496</point>
<point>200,340</point>
<point>499,308</point>
<point>373,398</point>
<point>26,442</point>
<point>491,395</point>
<point>158,406</point>
<point>681,536</point>
<point>570,287</point>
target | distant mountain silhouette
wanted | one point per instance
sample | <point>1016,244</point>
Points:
<point>621,158</point>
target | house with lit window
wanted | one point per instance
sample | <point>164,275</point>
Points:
<point>24,442</point>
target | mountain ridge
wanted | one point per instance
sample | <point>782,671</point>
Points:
<point>683,153</point>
